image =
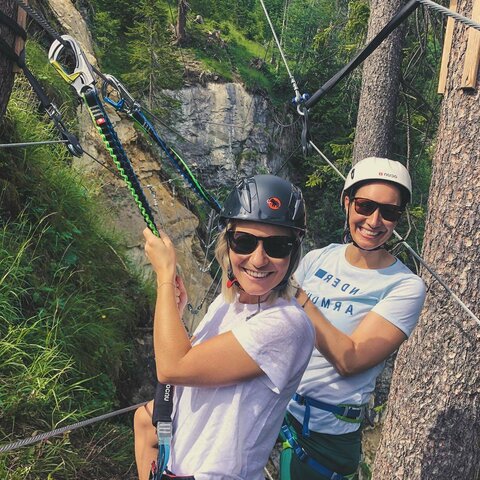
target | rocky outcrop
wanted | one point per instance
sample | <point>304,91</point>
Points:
<point>228,132</point>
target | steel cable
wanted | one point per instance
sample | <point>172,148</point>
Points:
<point>59,431</point>
<point>450,13</point>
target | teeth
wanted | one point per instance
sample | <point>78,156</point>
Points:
<point>369,232</point>
<point>255,274</point>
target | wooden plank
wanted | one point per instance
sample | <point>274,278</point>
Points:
<point>19,42</point>
<point>472,55</point>
<point>447,48</point>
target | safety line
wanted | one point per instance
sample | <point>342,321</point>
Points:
<point>31,144</point>
<point>399,17</point>
<point>59,431</point>
<point>450,13</point>
<point>298,96</point>
<point>411,250</point>
<point>40,19</point>
<point>104,165</point>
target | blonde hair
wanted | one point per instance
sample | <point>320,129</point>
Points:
<point>230,294</point>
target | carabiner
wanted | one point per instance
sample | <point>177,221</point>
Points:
<point>306,147</point>
<point>73,144</point>
<point>126,102</point>
<point>81,77</point>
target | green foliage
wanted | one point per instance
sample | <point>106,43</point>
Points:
<point>55,87</point>
<point>223,49</point>
<point>152,61</point>
<point>68,305</point>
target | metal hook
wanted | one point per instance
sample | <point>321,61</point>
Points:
<point>82,76</point>
<point>306,147</point>
<point>126,101</point>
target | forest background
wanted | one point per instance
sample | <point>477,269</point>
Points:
<point>70,299</point>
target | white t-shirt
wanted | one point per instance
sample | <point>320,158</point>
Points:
<point>345,294</point>
<point>228,432</point>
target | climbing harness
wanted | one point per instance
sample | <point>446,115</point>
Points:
<point>126,103</point>
<point>346,413</point>
<point>290,442</point>
<point>50,108</point>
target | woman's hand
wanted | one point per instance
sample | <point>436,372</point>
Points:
<point>161,253</point>
<point>301,297</point>
<point>181,295</point>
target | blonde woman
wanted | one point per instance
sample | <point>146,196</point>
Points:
<point>234,380</point>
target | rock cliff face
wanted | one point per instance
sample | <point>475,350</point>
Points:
<point>228,132</point>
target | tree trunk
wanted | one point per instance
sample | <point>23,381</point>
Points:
<point>380,85</point>
<point>432,427</point>
<point>182,22</point>
<point>6,75</point>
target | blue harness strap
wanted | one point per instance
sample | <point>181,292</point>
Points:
<point>162,420</point>
<point>291,442</point>
<point>344,412</point>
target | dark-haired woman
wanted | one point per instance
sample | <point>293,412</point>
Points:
<point>364,303</point>
<point>234,380</point>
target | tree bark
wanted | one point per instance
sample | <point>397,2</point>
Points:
<point>432,427</point>
<point>6,75</point>
<point>181,22</point>
<point>380,85</point>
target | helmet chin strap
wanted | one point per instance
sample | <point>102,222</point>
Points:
<point>366,249</point>
<point>232,279</point>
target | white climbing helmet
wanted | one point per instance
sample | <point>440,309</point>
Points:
<point>375,168</point>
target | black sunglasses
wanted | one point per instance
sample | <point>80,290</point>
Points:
<point>366,207</point>
<point>245,243</point>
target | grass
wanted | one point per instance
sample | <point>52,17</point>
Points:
<point>230,57</point>
<point>68,304</point>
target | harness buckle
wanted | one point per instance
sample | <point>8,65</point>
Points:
<point>80,73</point>
<point>73,144</point>
<point>300,399</point>
<point>354,413</point>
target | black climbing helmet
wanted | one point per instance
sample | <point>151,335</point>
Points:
<point>266,199</point>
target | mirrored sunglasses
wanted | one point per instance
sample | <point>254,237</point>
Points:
<point>389,212</point>
<point>245,243</point>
